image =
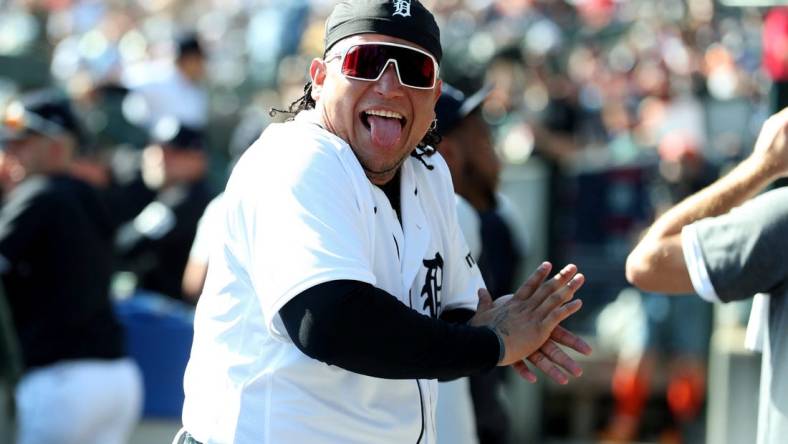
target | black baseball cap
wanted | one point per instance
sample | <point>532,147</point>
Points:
<point>189,43</point>
<point>405,19</point>
<point>46,112</point>
<point>171,133</point>
<point>453,106</point>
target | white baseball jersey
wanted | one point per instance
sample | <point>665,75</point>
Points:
<point>299,211</point>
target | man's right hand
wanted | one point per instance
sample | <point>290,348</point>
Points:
<point>527,319</point>
<point>771,148</point>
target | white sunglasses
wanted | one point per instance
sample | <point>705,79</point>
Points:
<point>368,61</point>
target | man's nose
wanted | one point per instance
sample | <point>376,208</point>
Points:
<point>389,83</point>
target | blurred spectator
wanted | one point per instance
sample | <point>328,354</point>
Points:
<point>670,345</point>
<point>107,119</point>
<point>274,32</point>
<point>467,146</point>
<point>208,228</point>
<point>775,44</point>
<point>775,54</point>
<point>205,238</point>
<point>56,251</point>
<point>10,368</point>
<point>456,412</point>
<point>174,90</point>
<point>683,170</point>
<point>155,244</point>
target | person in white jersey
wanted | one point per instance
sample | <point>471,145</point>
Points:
<point>343,288</point>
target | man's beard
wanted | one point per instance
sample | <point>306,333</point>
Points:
<point>373,174</point>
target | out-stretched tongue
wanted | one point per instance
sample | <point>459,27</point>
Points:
<point>385,132</point>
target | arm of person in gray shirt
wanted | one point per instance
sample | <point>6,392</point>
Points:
<point>745,251</point>
<point>657,261</point>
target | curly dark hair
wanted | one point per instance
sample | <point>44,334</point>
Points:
<point>426,146</point>
<point>302,103</point>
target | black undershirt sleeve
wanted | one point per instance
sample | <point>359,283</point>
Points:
<point>363,329</point>
<point>457,315</point>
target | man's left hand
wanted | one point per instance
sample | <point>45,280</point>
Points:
<point>550,358</point>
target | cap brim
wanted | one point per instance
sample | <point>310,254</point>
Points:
<point>473,102</point>
<point>7,135</point>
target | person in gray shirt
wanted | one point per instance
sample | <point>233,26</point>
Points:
<point>728,242</point>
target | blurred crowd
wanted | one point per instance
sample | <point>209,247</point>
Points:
<point>628,105</point>
<point>617,76</point>
<point>594,71</point>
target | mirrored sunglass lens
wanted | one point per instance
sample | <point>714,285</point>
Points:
<point>416,68</point>
<point>364,62</point>
<point>367,61</point>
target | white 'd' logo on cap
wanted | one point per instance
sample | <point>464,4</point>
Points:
<point>402,7</point>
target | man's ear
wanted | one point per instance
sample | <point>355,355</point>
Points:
<point>317,72</point>
<point>437,92</point>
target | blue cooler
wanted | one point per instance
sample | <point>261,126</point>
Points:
<point>159,333</point>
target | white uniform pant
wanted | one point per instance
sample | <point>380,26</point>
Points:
<point>79,402</point>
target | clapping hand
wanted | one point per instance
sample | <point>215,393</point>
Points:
<point>771,148</point>
<point>528,323</point>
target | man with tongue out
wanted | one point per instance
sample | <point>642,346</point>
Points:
<point>341,288</point>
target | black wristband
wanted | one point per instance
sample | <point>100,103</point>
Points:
<point>501,345</point>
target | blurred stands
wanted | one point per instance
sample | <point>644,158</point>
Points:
<point>585,93</point>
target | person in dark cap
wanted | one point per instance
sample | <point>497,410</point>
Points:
<point>467,145</point>
<point>473,163</point>
<point>56,234</point>
<point>455,413</point>
<point>155,244</point>
<point>341,288</point>
<point>174,88</point>
<point>190,57</point>
<point>189,44</point>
